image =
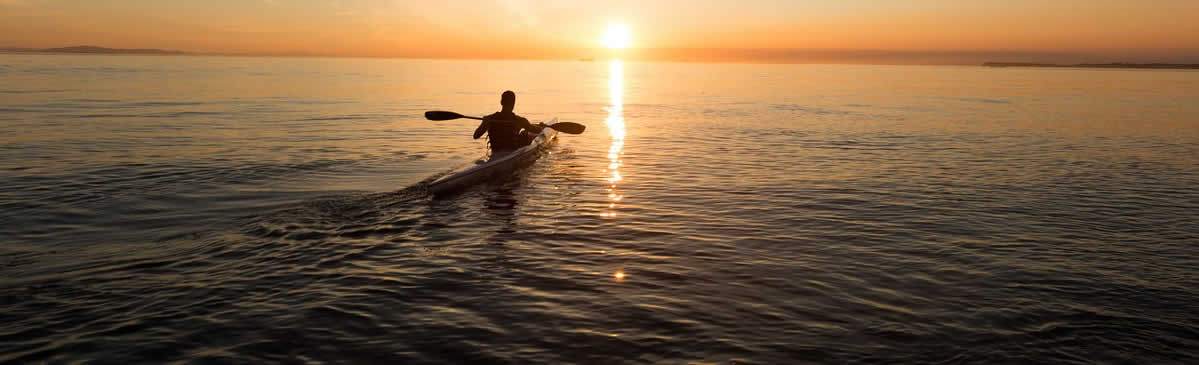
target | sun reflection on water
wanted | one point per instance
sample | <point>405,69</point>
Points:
<point>615,123</point>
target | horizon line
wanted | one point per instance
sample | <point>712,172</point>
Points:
<point>711,55</point>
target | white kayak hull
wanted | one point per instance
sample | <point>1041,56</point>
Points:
<point>499,164</point>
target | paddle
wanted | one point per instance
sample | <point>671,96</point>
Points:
<point>568,127</point>
<point>444,115</point>
<point>564,127</point>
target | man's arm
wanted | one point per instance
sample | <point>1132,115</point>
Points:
<point>482,129</point>
<point>530,126</point>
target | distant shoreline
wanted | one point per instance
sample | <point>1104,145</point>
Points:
<point>1166,66</point>
<point>95,50</point>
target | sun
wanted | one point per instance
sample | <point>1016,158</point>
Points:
<point>617,36</point>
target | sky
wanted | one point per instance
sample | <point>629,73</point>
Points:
<point>859,31</point>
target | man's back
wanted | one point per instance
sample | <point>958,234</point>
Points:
<point>503,129</point>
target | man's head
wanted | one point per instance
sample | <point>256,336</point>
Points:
<point>508,100</point>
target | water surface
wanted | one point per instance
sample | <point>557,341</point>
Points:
<point>225,209</point>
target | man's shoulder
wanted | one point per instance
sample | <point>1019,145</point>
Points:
<point>506,116</point>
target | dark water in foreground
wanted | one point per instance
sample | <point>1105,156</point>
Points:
<point>195,209</point>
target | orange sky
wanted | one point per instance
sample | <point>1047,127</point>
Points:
<point>882,31</point>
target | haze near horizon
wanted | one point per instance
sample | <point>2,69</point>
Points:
<point>856,31</point>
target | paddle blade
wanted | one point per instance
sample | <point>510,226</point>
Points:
<point>442,115</point>
<point>569,128</point>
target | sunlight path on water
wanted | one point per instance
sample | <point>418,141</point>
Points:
<point>615,123</point>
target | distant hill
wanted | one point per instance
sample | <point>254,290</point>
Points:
<point>1096,65</point>
<point>95,50</point>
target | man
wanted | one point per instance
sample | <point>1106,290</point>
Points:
<point>507,131</point>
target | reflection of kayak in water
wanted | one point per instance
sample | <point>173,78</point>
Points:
<point>501,162</point>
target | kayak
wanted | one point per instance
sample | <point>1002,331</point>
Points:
<point>501,162</point>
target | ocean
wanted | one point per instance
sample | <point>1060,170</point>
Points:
<point>194,209</point>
